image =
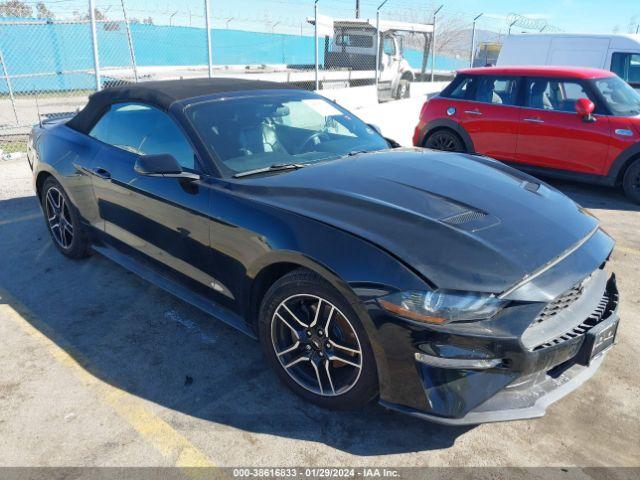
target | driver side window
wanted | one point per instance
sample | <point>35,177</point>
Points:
<point>144,130</point>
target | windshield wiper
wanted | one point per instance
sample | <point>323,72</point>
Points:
<point>353,153</point>
<point>273,168</point>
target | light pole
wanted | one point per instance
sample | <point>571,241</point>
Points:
<point>433,42</point>
<point>378,44</point>
<point>227,21</point>
<point>473,40</point>
<point>511,25</point>
<point>171,17</point>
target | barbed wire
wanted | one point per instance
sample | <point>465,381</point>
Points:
<point>529,23</point>
<point>416,10</point>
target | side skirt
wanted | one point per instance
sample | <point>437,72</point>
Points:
<point>151,275</point>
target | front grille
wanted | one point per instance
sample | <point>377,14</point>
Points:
<point>560,303</point>
<point>607,304</point>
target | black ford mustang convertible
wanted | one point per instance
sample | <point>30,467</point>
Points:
<point>447,286</point>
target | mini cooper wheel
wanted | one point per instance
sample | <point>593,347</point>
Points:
<point>631,182</point>
<point>316,343</point>
<point>63,221</point>
<point>444,140</point>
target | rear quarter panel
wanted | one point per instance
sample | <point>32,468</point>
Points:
<point>64,154</point>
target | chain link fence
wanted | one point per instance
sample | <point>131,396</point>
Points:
<point>52,57</point>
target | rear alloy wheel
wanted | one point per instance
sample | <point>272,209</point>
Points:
<point>631,182</point>
<point>444,140</point>
<point>316,343</point>
<point>63,221</point>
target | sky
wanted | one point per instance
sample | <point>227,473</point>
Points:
<point>579,16</point>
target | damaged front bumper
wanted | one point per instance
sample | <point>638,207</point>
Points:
<point>490,374</point>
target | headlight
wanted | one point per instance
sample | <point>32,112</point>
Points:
<point>442,306</point>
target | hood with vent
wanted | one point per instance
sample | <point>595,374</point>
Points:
<point>463,222</point>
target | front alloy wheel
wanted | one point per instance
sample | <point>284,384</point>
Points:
<point>316,343</point>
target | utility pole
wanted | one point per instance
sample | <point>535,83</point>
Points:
<point>433,42</point>
<point>473,40</point>
<point>357,8</point>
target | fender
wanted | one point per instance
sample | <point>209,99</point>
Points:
<point>621,161</point>
<point>275,257</point>
<point>370,280</point>
<point>451,124</point>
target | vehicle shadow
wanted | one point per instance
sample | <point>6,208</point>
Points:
<point>595,196</point>
<point>144,341</point>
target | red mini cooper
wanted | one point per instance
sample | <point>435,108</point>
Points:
<point>572,123</point>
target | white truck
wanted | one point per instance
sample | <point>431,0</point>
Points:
<point>350,46</point>
<point>618,53</point>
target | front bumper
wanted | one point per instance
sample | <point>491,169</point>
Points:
<point>523,385</point>
<point>529,400</point>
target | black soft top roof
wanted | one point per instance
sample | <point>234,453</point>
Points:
<point>161,94</point>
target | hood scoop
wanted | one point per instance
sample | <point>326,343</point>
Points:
<point>464,217</point>
<point>471,220</point>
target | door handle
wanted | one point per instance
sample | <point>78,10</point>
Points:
<point>473,112</point>
<point>102,173</point>
<point>533,120</point>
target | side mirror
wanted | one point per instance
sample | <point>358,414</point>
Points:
<point>162,165</point>
<point>585,108</point>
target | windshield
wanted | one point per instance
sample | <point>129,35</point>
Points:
<point>250,133</point>
<point>623,100</point>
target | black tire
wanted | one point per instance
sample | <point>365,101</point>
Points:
<point>631,181</point>
<point>72,241</point>
<point>352,388</point>
<point>445,140</point>
<point>404,89</point>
